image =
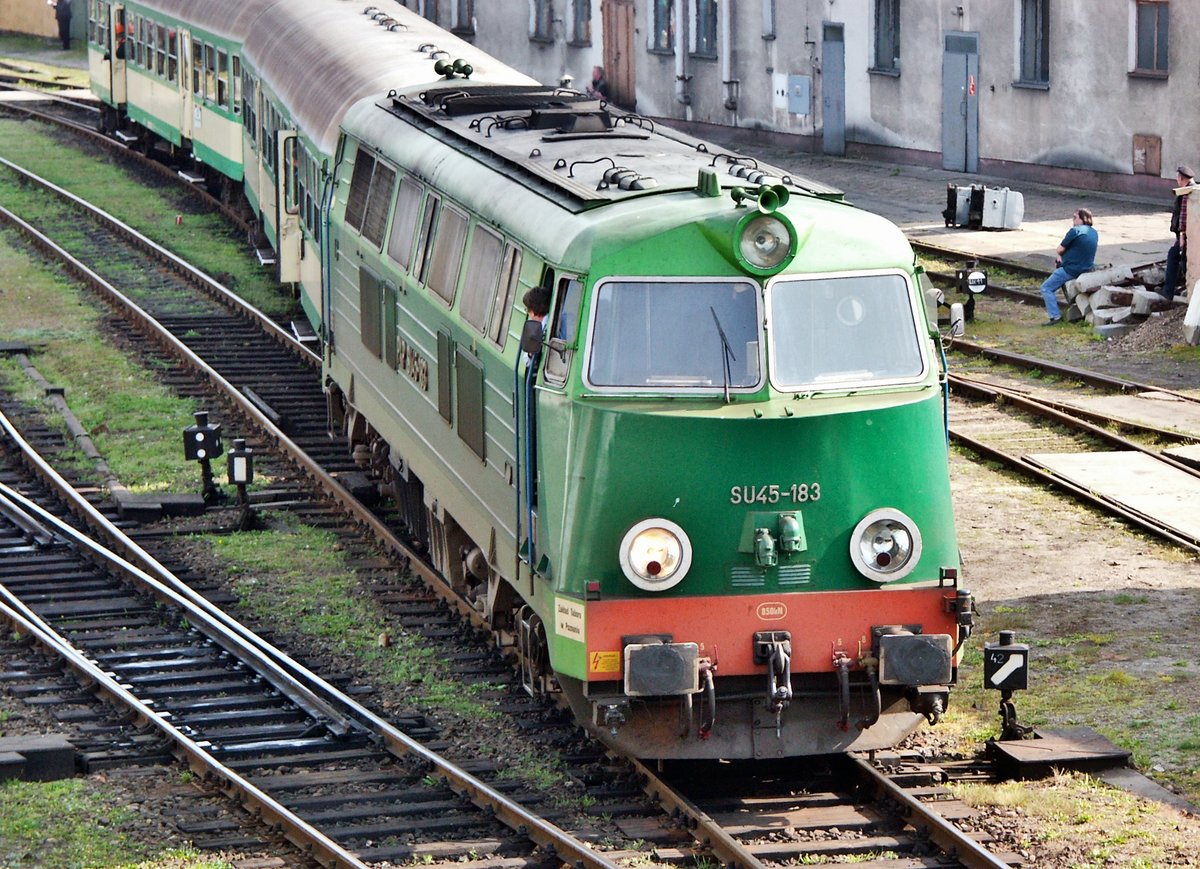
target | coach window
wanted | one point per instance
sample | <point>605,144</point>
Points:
<point>360,188</point>
<point>172,56</point>
<point>249,116</point>
<point>404,224</point>
<point>446,258</point>
<point>379,199</point>
<point>210,73</point>
<point>510,276</point>
<point>236,77</point>
<point>159,35</point>
<point>425,232</point>
<point>197,65</point>
<point>148,41</point>
<point>483,272</point>
<point>291,195</point>
<point>222,78</point>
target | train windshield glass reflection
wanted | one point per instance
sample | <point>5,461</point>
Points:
<point>673,335</point>
<point>853,331</point>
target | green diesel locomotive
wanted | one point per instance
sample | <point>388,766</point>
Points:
<point>706,495</point>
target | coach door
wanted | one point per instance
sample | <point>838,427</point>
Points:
<point>116,50</point>
<point>287,207</point>
<point>187,75</point>
<point>618,52</point>
<point>960,103</point>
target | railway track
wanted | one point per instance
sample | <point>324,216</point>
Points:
<point>82,120</point>
<point>290,421</point>
<point>342,784</point>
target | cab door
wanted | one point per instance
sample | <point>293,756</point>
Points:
<point>287,207</point>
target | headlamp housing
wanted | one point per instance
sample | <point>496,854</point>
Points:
<point>764,244</point>
<point>885,545</point>
<point>655,554</point>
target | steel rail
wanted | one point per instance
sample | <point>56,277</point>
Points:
<point>1083,413</point>
<point>200,761</point>
<point>1037,406</point>
<point>732,853</point>
<point>98,138</point>
<point>1024,466</point>
<point>921,817</point>
<point>214,288</point>
<point>568,848</point>
<point>1093,378</point>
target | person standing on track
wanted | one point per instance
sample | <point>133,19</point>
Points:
<point>62,11</point>
<point>1076,255</point>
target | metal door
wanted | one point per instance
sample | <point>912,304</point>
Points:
<point>960,102</point>
<point>833,88</point>
<point>618,22</point>
<point>185,84</point>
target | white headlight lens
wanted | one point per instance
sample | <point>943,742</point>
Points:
<point>765,241</point>
<point>655,554</point>
<point>885,545</point>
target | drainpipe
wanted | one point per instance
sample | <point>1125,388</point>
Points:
<point>725,47</point>
<point>682,77</point>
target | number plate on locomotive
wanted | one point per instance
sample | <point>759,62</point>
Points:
<point>795,493</point>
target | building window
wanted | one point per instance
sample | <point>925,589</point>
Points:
<point>887,35</point>
<point>662,25</point>
<point>704,27</point>
<point>581,22</point>
<point>463,12</point>
<point>1152,28</point>
<point>768,14</point>
<point>541,20</point>
<point>1035,41</point>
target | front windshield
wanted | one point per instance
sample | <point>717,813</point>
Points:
<point>696,335</point>
<point>845,331</point>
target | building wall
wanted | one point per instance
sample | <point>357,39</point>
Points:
<point>34,17</point>
<point>1080,129</point>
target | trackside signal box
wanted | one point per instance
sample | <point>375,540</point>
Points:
<point>1006,664</point>
<point>203,440</point>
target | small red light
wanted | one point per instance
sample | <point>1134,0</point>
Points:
<point>593,585</point>
<point>653,568</point>
<point>883,559</point>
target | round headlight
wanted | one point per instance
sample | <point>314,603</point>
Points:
<point>885,545</point>
<point>655,554</point>
<point>765,242</point>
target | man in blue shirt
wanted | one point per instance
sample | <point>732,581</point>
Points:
<point>1076,255</point>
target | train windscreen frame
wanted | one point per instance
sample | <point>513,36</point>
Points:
<point>679,335</point>
<point>843,331</point>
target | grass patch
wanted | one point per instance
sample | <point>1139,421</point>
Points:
<point>204,239</point>
<point>297,579</point>
<point>64,824</point>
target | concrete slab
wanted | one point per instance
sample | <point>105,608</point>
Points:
<point>1136,481</point>
<point>1158,409</point>
<point>1076,748</point>
<point>12,766</point>
<point>47,758</point>
<point>1189,455</point>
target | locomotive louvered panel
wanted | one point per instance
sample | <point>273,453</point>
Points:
<point>746,576</point>
<point>469,377</point>
<point>445,362</point>
<point>369,291</point>
<point>795,574</point>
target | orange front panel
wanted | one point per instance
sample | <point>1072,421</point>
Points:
<point>819,623</point>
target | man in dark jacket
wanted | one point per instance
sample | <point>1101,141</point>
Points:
<point>1177,255</point>
<point>62,11</point>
